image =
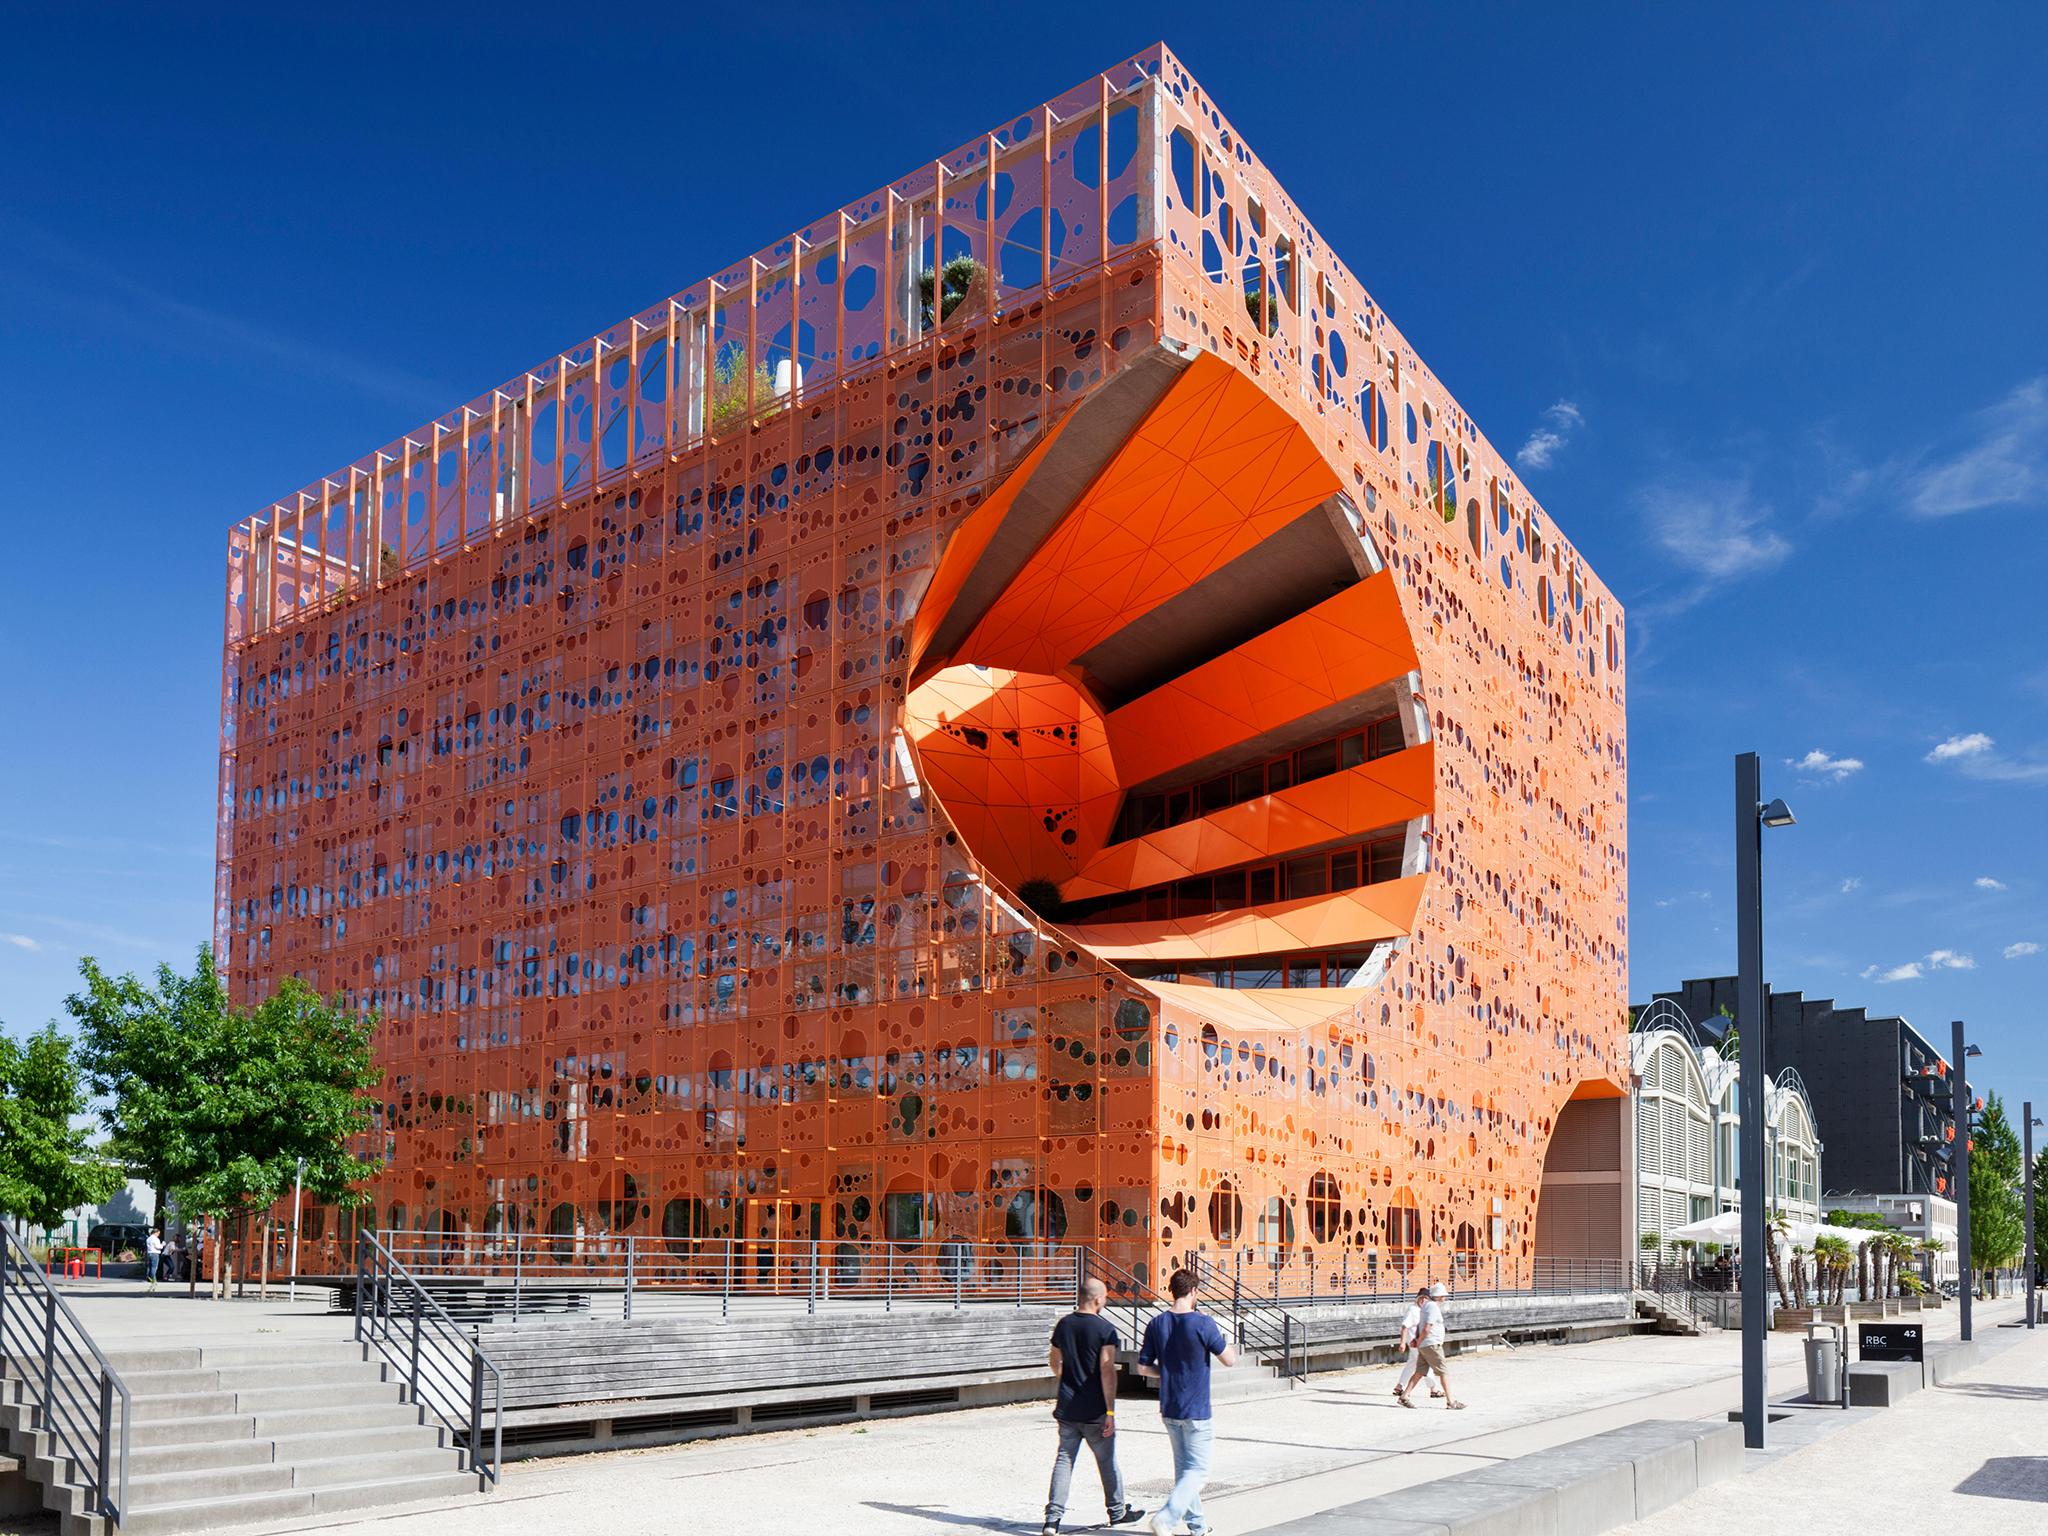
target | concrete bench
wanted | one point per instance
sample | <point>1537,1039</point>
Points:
<point>1883,1383</point>
<point>1587,1486</point>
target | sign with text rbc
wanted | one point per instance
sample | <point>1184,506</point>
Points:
<point>1888,1341</point>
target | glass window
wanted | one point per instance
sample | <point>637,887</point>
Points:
<point>1257,976</point>
<point>1383,737</point>
<point>1351,751</point>
<point>1260,882</point>
<point>1192,898</point>
<point>1230,891</point>
<point>1159,903</point>
<point>1279,774</point>
<point>1308,877</point>
<point>1344,869</point>
<point>1384,860</point>
<point>1313,762</point>
<point>1305,972</point>
<point>1247,784</point>
<point>1150,815</point>
<point>1177,807</point>
<point>1216,794</point>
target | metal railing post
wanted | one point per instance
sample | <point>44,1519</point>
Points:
<point>518,1268</point>
<point>476,1418</point>
<point>418,1312</point>
<point>888,1277</point>
<point>629,1279</point>
<point>107,1446</point>
<point>49,1359</point>
<point>725,1282</point>
<point>811,1285</point>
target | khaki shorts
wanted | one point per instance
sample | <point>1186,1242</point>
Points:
<point>1429,1358</point>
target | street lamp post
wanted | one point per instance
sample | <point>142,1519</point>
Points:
<point>1959,1170</point>
<point>1751,817</point>
<point>2028,1122</point>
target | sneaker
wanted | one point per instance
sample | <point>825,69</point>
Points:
<point>1051,1529</point>
<point>1159,1524</point>
<point>1131,1516</point>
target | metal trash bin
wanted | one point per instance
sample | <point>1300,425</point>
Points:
<point>1826,1351</point>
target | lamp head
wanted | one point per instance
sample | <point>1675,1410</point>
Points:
<point>1777,814</point>
<point>1971,1050</point>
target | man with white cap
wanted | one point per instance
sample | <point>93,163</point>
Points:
<point>1429,1346</point>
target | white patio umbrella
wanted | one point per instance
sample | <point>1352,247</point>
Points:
<point>1724,1228</point>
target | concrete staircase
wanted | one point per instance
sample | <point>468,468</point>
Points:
<point>228,1435</point>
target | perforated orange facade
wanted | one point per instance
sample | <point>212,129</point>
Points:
<point>1023,710</point>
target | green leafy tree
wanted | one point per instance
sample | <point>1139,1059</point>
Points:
<point>2040,1215</point>
<point>1997,1223</point>
<point>46,1167</point>
<point>147,1051</point>
<point>218,1104</point>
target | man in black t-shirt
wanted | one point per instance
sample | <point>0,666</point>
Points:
<point>1083,1356</point>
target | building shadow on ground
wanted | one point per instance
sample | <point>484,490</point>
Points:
<point>2009,1477</point>
<point>1999,1389</point>
<point>950,1519</point>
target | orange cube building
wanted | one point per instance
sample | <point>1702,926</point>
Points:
<point>1021,712</point>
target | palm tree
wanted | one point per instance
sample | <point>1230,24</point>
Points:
<point>1930,1249</point>
<point>1774,1228</point>
<point>1831,1260</point>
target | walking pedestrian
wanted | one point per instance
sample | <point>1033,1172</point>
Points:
<point>1179,1345</point>
<point>1083,1356</point>
<point>153,1257</point>
<point>1429,1345</point>
<point>1411,1328</point>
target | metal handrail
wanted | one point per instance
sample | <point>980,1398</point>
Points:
<point>514,1275</point>
<point>74,1390</point>
<point>1262,1324</point>
<point>387,1294</point>
<point>1259,1326</point>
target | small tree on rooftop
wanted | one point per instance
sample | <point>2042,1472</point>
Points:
<point>729,375</point>
<point>953,282</point>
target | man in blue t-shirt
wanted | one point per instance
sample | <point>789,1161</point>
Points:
<point>1177,1349</point>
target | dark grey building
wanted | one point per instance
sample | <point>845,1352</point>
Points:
<point>1879,1093</point>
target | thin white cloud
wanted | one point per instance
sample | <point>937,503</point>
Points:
<point>1819,765</point>
<point>1960,746</point>
<point>1988,883</point>
<point>21,941</point>
<point>1913,970</point>
<point>2023,948</point>
<point>1560,421</point>
<point>1977,756</point>
<point>1853,883</point>
<point>1716,528</point>
<point>2001,460</point>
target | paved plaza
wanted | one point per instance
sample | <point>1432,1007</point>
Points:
<point>1278,1456</point>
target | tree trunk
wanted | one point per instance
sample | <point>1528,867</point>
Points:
<point>263,1286</point>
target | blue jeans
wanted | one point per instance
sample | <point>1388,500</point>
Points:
<point>1071,1436</point>
<point>1190,1440</point>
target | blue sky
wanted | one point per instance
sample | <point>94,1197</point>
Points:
<point>1754,296</point>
